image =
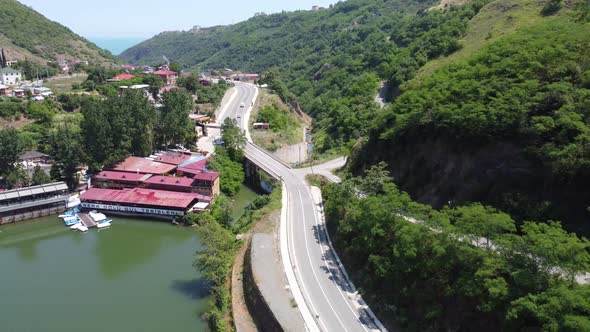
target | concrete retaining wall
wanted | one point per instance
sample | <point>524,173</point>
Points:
<point>263,317</point>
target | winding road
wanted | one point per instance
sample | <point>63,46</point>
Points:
<point>325,296</point>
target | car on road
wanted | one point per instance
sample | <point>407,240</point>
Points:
<point>242,105</point>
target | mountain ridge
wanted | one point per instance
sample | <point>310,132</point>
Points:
<point>27,34</point>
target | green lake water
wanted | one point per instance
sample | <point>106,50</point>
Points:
<point>135,276</point>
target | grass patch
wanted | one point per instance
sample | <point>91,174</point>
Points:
<point>494,21</point>
<point>64,85</point>
<point>286,126</point>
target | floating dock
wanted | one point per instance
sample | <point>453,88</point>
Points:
<point>86,220</point>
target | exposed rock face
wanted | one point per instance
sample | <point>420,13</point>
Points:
<point>503,174</point>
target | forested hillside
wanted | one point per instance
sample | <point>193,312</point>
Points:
<point>489,106</point>
<point>24,33</point>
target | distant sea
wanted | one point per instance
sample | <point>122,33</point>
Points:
<point>115,45</point>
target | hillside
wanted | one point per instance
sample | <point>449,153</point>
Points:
<point>490,96</point>
<point>24,33</point>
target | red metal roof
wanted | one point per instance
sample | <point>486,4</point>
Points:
<point>124,76</point>
<point>142,165</point>
<point>209,176</point>
<point>122,176</point>
<point>171,181</point>
<point>198,165</point>
<point>173,160</point>
<point>165,72</point>
<point>145,197</point>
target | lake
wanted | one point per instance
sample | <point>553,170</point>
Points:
<point>135,276</point>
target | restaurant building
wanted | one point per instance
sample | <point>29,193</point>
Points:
<point>140,201</point>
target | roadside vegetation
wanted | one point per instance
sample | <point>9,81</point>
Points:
<point>218,229</point>
<point>439,275</point>
<point>285,126</point>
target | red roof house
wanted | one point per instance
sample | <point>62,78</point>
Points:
<point>123,77</point>
<point>168,76</point>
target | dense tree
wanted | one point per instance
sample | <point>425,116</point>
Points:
<point>39,176</point>
<point>117,127</point>
<point>231,171</point>
<point>67,152</point>
<point>233,139</point>
<point>422,267</point>
<point>10,149</point>
<point>174,125</point>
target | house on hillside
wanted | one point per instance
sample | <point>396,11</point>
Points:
<point>170,77</point>
<point>6,90</point>
<point>9,76</point>
<point>122,77</point>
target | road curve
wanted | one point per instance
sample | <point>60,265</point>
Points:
<point>328,295</point>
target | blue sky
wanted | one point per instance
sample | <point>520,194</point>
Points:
<point>132,18</point>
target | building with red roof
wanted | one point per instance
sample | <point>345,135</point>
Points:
<point>119,180</point>
<point>140,200</point>
<point>145,166</point>
<point>172,158</point>
<point>168,76</point>
<point>159,182</point>
<point>192,169</point>
<point>122,77</point>
<point>207,183</point>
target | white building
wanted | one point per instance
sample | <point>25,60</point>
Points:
<point>9,76</point>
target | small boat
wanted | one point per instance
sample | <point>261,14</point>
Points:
<point>75,226</point>
<point>105,221</point>
<point>97,217</point>
<point>69,221</point>
<point>83,228</point>
<point>103,225</point>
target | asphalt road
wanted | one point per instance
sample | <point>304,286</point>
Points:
<point>328,296</point>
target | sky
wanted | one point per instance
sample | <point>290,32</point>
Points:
<point>144,19</point>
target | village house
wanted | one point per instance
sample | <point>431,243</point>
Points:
<point>6,91</point>
<point>168,76</point>
<point>122,77</point>
<point>9,76</point>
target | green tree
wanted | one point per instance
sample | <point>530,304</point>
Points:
<point>233,138</point>
<point>231,171</point>
<point>478,222</point>
<point>176,67</point>
<point>67,152</point>
<point>174,126</point>
<point>10,149</point>
<point>558,309</point>
<point>18,177</point>
<point>155,82</point>
<point>40,112</point>
<point>39,176</point>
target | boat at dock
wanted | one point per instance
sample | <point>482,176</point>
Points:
<point>75,226</point>
<point>71,220</point>
<point>83,228</point>
<point>103,225</point>
<point>97,217</point>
